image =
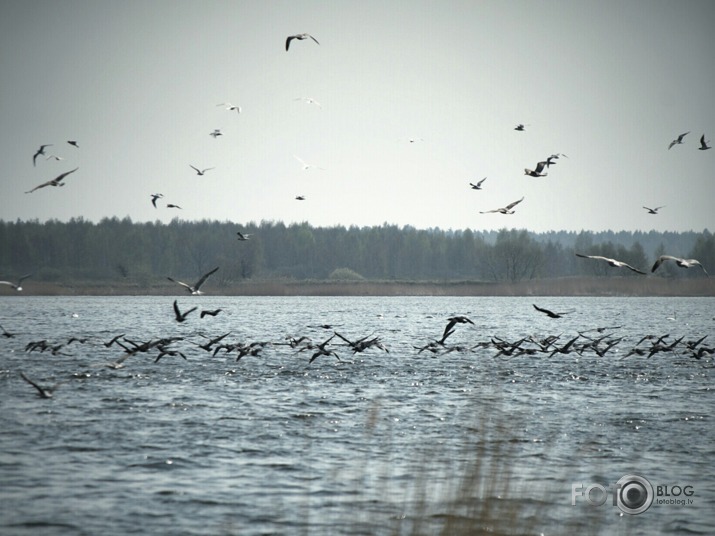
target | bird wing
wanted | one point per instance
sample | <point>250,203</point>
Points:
<point>660,260</point>
<point>183,285</point>
<point>540,167</point>
<point>40,390</point>
<point>541,310</point>
<point>195,169</point>
<point>177,312</point>
<point>39,186</point>
<point>313,38</point>
<point>204,278</point>
<point>481,181</point>
<point>636,270</point>
<point>13,285</point>
<point>288,40</point>
<point>512,205</point>
<point>63,175</point>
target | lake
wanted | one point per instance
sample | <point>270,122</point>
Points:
<point>476,436</point>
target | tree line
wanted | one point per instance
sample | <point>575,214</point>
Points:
<point>146,252</point>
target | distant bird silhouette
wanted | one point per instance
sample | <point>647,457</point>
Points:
<point>17,286</point>
<point>181,317</point>
<point>704,144</point>
<point>555,156</point>
<point>44,392</point>
<point>305,164</point>
<point>549,313</point>
<point>216,133</point>
<point>678,140</point>
<point>210,313</point>
<point>40,151</point>
<point>242,237</point>
<point>683,263</point>
<point>73,143</point>
<point>611,262</point>
<point>299,37</point>
<point>57,181</point>
<point>520,127</point>
<point>477,186</point>
<point>322,350</point>
<point>451,322</point>
<point>5,333</point>
<point>195,288</point>
<point>230,107</point>
<point>54,157</point>
<point>171,205</point>
<point>505,210</point>
<point>536,172</point>
<point>154,197</point>
<point>653,210</point>
<point>300,198</point>
<point>200,171</point>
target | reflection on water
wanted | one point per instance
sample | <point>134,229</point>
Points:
<point>377,442</point>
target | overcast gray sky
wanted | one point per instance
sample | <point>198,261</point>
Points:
<point>136,83</point>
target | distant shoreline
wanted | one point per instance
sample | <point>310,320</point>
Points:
<point>578,286</point>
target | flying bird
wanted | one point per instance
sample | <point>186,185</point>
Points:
<point>210,313</point>
<point>200,171</point>
<point>154,197</point>
<point>309,101</point>
<point>171,205</point>
<point>678,140</point>
<point>54,157</point>
<point>216,133</point>
<point>703,144</point>
<point>555,156</point>
<point>536,172</point>
<point>305,164</point>
<point>505,210</point>
<point>299,37</point>
<point>551,314</point>
<point>520,127</point>
<point>181,317</point>
<point>300,198</point>
<point>44,392</point>
<point>477,186</point>
<point>73,143</point>
<point>653,210</point>
<point>611,262</point>
<point>242,236</point>
<point>231,107</point>
<point>17,286</point>
<point>683,263</point>
<point>57,181</point>
<point>40,151</point>
<point>194,289</point>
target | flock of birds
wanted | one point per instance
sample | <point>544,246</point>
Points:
<point>598,342</point>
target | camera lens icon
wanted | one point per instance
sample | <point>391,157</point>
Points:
<point>634,494</point>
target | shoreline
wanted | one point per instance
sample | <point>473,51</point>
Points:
<point>580,286</point>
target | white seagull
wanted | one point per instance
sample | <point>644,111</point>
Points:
<point>477,186</point>
<point>194,289</point>
<point>231,107</point>
<point>678,140</point>
<point>305,164</point>
<point>683,263</point>
<point>17,286</point>
<point>299,37</point>
<point>612,262</point>
<point>309,101</point>
<point>40,151</point>
<point>536,172</point>
<point>505,210</point>
<point>57,181</point>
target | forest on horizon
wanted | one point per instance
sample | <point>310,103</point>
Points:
<point>145,253</point>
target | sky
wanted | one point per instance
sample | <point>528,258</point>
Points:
<point>609,84</point>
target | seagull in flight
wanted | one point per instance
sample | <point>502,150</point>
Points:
<point>171,205</point>
<point>611,262</point>
<point>520,127</point>
<point>40,151</point>
<point>216,133</point>
<point>194,289</point>
<point>683,263</point>
<point>73,143</point>
<point>200,171</point>
<point>17,286</point>
<point>44,392</point>
<point>678,140</point>
<point>505,210</point>
<point>242,237</point>
<point>477,186</point>
<point>704,144</point>
<point>57,181</point>
<point>653,210</point>
<point>309,101</point>
<point>550,314</point>
<point>300,198</point>
<point>299,37</point>
<point>154,197</point>
<point>231,107</point>
<point>305,164</point>
<point>536,172</point>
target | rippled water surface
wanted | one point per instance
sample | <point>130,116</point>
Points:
<point>378,442</point>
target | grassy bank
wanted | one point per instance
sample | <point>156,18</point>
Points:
<point>577,286</point>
